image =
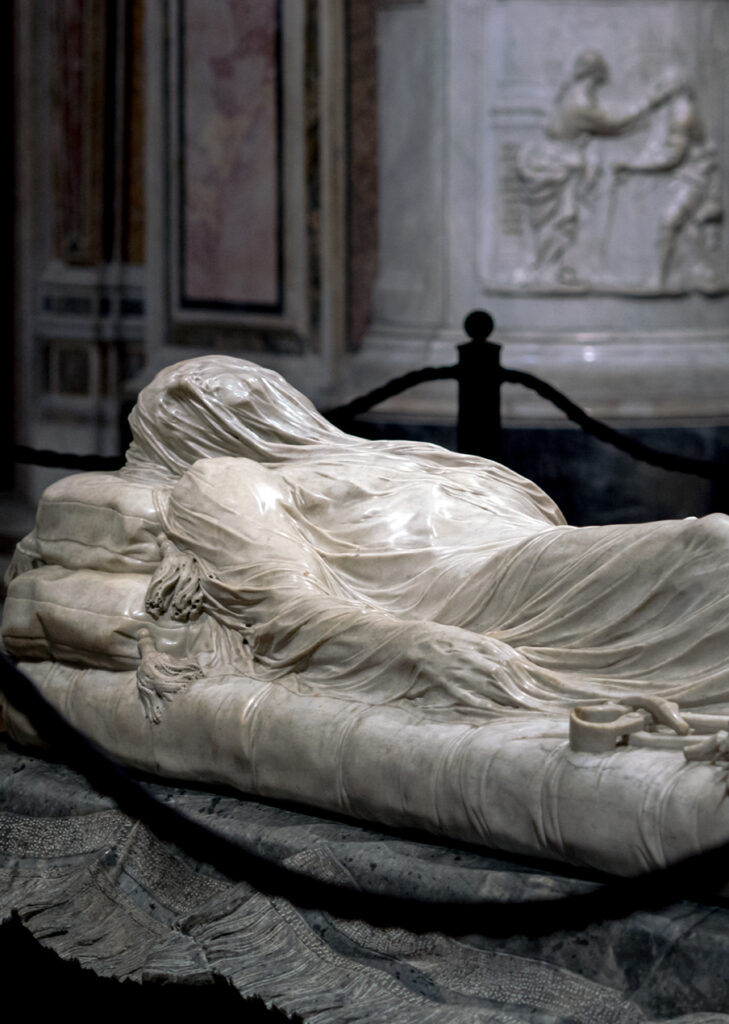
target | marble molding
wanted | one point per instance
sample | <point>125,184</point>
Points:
<point>228,248</point>
<point>565,165</point>
<point>384,629</point>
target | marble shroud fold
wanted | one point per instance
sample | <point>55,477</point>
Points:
<point>435,604</point>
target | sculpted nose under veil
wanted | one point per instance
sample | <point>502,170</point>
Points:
<point>219,405</point>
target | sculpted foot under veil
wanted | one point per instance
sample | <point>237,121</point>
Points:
<point>385,629</point>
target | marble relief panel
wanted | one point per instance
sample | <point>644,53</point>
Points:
<point>230,196</point>
<point>605,147</point>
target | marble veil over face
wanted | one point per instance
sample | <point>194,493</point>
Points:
<point>221,406</point>
<point>218,405</point>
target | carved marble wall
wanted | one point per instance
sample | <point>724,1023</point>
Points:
<point>564,163</point>
<point>608,172</point>
<point>248,243</point>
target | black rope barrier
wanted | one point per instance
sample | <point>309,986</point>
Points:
<point>480,376</point>
<point>65,460</point>
<point>704,468</point>
<point>364,403</point>
<point>643,452</point>
<point>696,878</point>
<point>478,354</point>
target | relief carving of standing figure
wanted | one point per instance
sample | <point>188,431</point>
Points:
<point>694,209</point>
<point>556,173</point>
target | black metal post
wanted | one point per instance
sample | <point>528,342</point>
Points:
<point>479,389</point>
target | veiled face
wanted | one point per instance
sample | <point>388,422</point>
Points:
<point>232,391</point>
<point>226,391</point>
<point>218,405</point>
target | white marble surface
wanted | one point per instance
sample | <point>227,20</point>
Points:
<point>260,600</point>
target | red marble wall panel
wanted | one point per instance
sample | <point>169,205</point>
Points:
<point>230,196</point>
<point>79,93</point>
<point>133,184</point>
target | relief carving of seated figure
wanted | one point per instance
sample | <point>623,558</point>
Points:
<point>556,173</point>
<point>254,570</point>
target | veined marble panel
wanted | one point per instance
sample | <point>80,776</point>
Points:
<point>412,146</point>
<point>79,98</point>
<point>230,198</point>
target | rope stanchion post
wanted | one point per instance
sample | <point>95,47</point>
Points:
<point>479,389</point>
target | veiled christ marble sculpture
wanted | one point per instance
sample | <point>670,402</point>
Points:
<point>386,629</point>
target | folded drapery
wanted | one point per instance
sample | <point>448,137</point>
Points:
<point>385,629</point>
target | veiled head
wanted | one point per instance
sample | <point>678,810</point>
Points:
<point>219,405</point>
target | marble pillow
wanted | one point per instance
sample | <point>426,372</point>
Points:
<point>85,617</point>
<point>98,521</point>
